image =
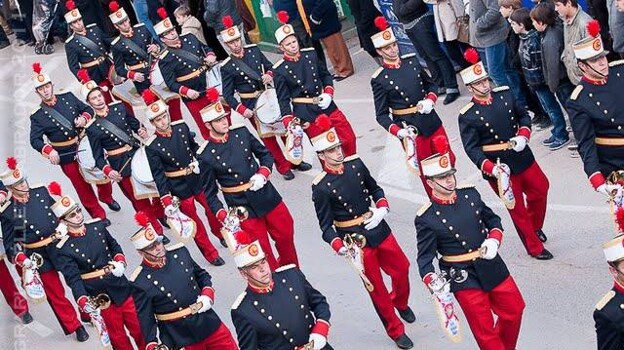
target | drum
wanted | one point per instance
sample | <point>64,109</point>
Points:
<point>213,78</point>
<point>113,77</point>
<point>267,107</point>
<point>156,77</point>
<point>127,92</point>
<point>88,169</point>
<point>142,180</point>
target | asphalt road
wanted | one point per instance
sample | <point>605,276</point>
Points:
<point>560,294</point>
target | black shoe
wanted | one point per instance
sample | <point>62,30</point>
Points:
<point>26,318</point>
<point>450,97</point>
<point>106,222</point>
<point>407,315</point>
<point>303,166</point>
<point>164,223</point>
<point>223,243</point>
<point>404,342</point>
<point>288,175</point>
<point>81,334</point>
<point>218,261</point>
<point>542,236</point>
<point>114,206</point>
<point>544,255</point>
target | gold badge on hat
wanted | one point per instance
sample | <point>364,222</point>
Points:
<point>386,35</point>
<point>331,136</point>
<point>154,107</point>
<point>444,161</point>
<point>65,202</point>
<point>477,69</point>
<point>253,250</point>
<point>149,234</point>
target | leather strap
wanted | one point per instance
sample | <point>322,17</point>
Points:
<point>97,273</point>
<point>187,55</point>
<point>609,141</point>
<point>137,66</point>
<point>305,100</point>
<point>58,117</point>
<point>39,244</point>
<point>119,151</point>
<point>250,95</point>
<point>304,17</point>
<point>246,69</point>
<point>462,257</point>
<point>115,130</point>
<point>497,147</point>
<point>236,189</point>
<point>172,316</point>
<point>192,75</point>
<point>134,47</point>
<point>95,62</point>
<point>179,173</point>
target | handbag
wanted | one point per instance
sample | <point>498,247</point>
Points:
<point>462,22</point>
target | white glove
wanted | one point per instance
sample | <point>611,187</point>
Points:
<point>61,230</point>
<point>610,190</point>
<point>87,308</point>
<point>438,285</point>
<point>206,303</point>
<point>194,165</point>
<point>319,341</point>
<point>491,248</point>
<point>520,143</point>
<point>378,215</point>
<point>425,106</point>
<point>170,210</point>
<point>403,133</point>
<point>257,182</point>
<point>342,251</point>
<point>324,100</point>
<point>118,268</point>
<point>498,169</point>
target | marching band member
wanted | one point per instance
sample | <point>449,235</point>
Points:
<point>228,158</point>
<point>495,129</point>
<point>467,233</point>
<point>279,310</point>
<point>30,229</point>
<point>247,72</point>
<point>93,265</point>
<point>171,156</point>
<point>176,297</point>
<point>303,80</point>
<point>342,200</point>
<point>14,299</point>
<point>608,316</point>
<point>60,118</point>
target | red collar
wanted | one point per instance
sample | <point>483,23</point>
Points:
<point>483,102</point>
<point>261,290</point>
<point>52,102</point>
<point>242,54</point>
<point>294,58</point>
<point>22,200</point>
<point>595,82</point>
<point>223,139</point>
<point>155,265</point>
<point>129,35</point>
<point>392,65</point>
<point>106,110</point>
<point>334,171</point>
<point>165,133</point>
<point>445,201</point>
<point>77,232</point>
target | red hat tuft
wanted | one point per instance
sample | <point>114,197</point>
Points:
<point>593,28</point>
<point>70,5</point>
<point>381,23</point>
<point>323,122</point>
<point>11,163</point>
<point>440,144</point>
<point>283,17</point>
<point>141,218</point>
<point>36,67</point>
<point>619,218</point>
<point>471,55</point>
<point>227,21</point>
<point>54,188</point>
<point>212,94</point>
<point>149,97</point>
<point>113,6</point>
<point>162,13</point>
<point>243,238</point>
<point>83,75</point>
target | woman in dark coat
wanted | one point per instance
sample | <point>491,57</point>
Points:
<point>365,12</point>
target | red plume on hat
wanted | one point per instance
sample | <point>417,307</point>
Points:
<point>36,67</point>
<point>593,28</point>
<point>440,144</point>
<point>113,6</point>
<point>83,76</point>
<point>283,17</point>
<point>141,219</point>
<point>323,122</point>
<point>70,5</point>
<point>212,94</point>
<point>381,23</point>
<point>54,188</point>
<point>162,13</point>
<point>619,218</point>
<point>471,55</point>
<point>227,21</point>
<point>149,97</point>
<point>243,238</point>
<point>11,163</point>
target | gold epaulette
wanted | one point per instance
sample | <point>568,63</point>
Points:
<point>201,148</point>
<point>462,186</point>
<point>114,103</point>
<point>90,25</point>
<point>135,273</point>
<point>319,177</point>
<point>250,45</point>
<point>92,221</point>
<point>308,49</point>
<point>238,300</point>
<point>576,92</point>
<point>616,63</point>
<point>62,242</point>
<point>379,70</point>
<point>70,38</point>
<point>163,54</point>
<point>408,55</point>
<point>285,267</point>
<point>423,209</point>
<point>178,122</point>
<point>278,63</point>
<point>466,108</point>
<point>90,122</point>
<point>605,300</point>
<point>35,110</point>
<point>7,202</point>
<point>236,126</point>
<point>226,60</point>
<point>138,25</point>
<point>172,247</point>
<point>351,157</point>
<point>116,40</point>
<point>150,140</point>
<point>500,88</point>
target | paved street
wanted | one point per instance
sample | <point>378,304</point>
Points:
<point>560,294</point>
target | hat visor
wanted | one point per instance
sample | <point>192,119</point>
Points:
<point>444,174</point>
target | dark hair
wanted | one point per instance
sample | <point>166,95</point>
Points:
<point>572,2</point>
<point>521,16</point>
<point>544,13</point>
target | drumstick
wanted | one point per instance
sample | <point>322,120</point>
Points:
<point>71,152</point>
<point>125,165</point>
<point>265,85</point>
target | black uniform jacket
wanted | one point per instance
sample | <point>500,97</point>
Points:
<point>124,56</point>
<point>609,319</point>
<point>83,51</point>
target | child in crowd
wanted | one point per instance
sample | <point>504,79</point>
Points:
<point>188,23</point>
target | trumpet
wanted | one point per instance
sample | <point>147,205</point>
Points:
<point>161,347</point>
<point>240,213</point>
<point>101,301</point>
<point>37,259</point>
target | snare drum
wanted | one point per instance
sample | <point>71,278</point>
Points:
<point>213,78</point>
<point>267,107</point>
<point>88,169</point>
<point>142,180</point>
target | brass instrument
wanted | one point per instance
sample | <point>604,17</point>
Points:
<point>231,225</point>
<point>37,259</point>
<point>161,347</point>
<point>101,301</point>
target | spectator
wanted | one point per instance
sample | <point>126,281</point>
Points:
<point>320,20</point>
<point>419,27</point>
<point>574,29</point>
<point>43,16</point>
<point>215,10</point>
<point>141,10</point>
<point>305,40</point>
<point>188,23</point>
<point>25,16</point>
<point>616,25</point>
<point>488,33</point>
<point>530,53</point>
<point>197,10</point>
<point>599,10</point>
<point>446,14</point>
<point>364,12</point>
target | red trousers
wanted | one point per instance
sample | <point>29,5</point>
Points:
<point>175,113</point>
<point>505,301</point>
<point>424,149</point>
<point>343,129</point>
<point>85,191</point>
<point>187,206</point>
<point>528,214</point>
<point>116,317</point>
<point>278,224</point>
<point>152,208</point>
<point>14,299</point>
<point>281,163</point>
<point>194,106</point>
<point>221,339</point>
<point>389,257</point>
